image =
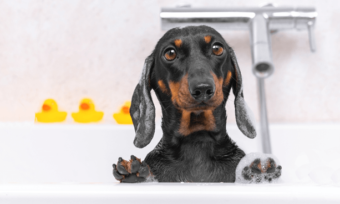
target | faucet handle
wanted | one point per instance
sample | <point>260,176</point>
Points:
<point>311,34</point>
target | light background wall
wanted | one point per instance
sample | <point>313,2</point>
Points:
<point>72,49</point>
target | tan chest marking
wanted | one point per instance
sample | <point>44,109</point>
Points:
<point>191,122</point>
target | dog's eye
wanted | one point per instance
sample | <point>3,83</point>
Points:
<point>170,54</point>
<point>217,49</point>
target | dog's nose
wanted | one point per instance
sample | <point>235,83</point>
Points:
<point>202,91</point>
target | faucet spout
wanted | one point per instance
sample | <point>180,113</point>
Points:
<point>261,48</point>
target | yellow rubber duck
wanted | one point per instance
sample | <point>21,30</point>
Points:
<point>123,117</point>
<point>49,113</point>
<point>87,112</point>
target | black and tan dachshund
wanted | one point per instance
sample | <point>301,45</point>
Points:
<point>192,71</point>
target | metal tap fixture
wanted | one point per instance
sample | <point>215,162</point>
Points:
<point>260,22</point>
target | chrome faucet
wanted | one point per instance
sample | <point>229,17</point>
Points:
<point>261,22</point>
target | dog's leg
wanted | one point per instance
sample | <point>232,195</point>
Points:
<point>132,171</point>
<point>258,168</point>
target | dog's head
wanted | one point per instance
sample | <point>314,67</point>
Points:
<point>193,70</point>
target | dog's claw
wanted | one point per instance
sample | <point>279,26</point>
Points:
<point>132,171</point>
<point>135,166</point>
<point>121,168</point>
<point>116,174</point>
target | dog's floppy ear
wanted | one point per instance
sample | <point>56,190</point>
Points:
<point>142,109</point>
<point>242,116</point>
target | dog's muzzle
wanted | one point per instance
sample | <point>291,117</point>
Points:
<point>202,90</point>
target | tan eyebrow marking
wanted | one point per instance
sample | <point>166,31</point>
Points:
<point>207,38</point>
<point>178,43</point>
<point>227,79</point>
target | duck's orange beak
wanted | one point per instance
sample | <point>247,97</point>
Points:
<point>46,107</point>
<point>84,106</point>
<point>126,109</point>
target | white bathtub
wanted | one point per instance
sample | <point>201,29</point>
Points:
<point>72,164</point>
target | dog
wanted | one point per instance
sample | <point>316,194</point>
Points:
<point>192,71</point>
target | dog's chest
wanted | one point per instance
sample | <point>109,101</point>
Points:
<point>198,164</point>
<point>197,170</point>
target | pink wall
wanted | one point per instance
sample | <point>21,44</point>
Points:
<point>72,49</point>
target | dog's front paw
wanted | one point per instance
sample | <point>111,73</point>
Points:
<point>132,171</point>
<point>258,168</point>
<point>260,172</point>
